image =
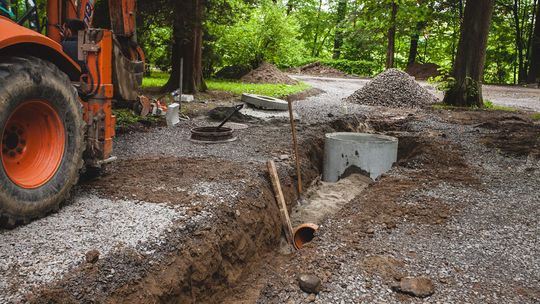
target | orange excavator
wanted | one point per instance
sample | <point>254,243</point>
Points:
<point>56,94</point>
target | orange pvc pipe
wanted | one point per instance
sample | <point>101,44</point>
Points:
<point>304,234</point>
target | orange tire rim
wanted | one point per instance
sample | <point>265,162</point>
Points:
<point>33,143</point>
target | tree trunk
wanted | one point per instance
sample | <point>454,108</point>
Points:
<point>471,55</point>
<point>340,20</point>
<point>391,38</point>
<point>413,50</point>
<point>187,35</point>
<point>522,73</point>
<point>316,38</point>
<point>534,70</point>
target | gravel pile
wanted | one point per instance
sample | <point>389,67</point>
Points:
<point>393,88</point>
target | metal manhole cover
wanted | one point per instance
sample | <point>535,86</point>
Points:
<point>212,135</point>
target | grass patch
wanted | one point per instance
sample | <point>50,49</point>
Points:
<point>273,90</point>
<point>488,105</point>
<point>535,116</point>
<point>125,117</point>
<point>156,79</point>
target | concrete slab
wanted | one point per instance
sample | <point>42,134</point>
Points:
<point>265,102</point>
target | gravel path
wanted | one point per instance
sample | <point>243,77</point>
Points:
<point>489,252</point>
<point>43,250</point>
<point>337,88</point>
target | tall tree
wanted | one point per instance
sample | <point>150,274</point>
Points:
<point>415,37</point>
<point>469,66</point>
<point>534,71</point>
<point>390,51</point>
<point>340,24</point>
<point>187,44</point>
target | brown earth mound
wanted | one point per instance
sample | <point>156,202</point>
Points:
<point>268,73</point>
<point>317,68</point>
<point>423,70</point>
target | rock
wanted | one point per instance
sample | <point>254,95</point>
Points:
<point>419,287</point>
<point>309,283</point>
<point>311,298</point>
<point>92,256</point>
<point>370,231</point>
<point>284,157</point>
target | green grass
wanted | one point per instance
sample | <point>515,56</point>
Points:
<point>535,116</point>
<point>158,79</point>
<point>488,105</point>
<point>273,90</point>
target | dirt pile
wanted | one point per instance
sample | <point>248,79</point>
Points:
<point>268,73</point>
<point>233,72</point>
<point>423,70</point>
<point>317,68</point>
<point>393,88</point>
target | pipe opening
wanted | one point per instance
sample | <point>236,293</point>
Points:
<point>304,234</point>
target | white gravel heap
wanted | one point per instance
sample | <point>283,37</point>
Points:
<point>393,88</point>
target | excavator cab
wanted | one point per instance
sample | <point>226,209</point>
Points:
<point>56,97</point>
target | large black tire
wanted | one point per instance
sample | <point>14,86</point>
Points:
<point>28,78</point>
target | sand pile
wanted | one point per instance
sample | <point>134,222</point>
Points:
<point>393,88</point>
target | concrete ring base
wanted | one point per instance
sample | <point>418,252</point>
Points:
<point>370,154</point>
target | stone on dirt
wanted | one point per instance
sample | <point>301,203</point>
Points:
<point>309,283</point>
<point>92,256</point>
<point>395,89</point>
<point>420,287</point>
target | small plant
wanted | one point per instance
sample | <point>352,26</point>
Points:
<point>443,82</point>
<point>125,117</point>
<point>535,116</point>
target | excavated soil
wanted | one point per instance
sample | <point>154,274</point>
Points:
<point>423,71</point>
<point>318,69</point>
<point>267,73</point>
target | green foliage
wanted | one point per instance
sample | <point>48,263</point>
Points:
<point>274,90</point>
<point>535,116</point>
<point>265,34</point>
<point>443,82</point>
<point>157,46</point>
<point>125,117</point>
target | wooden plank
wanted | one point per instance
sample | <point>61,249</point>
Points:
<point>285,220</point>
<point>295,146</point>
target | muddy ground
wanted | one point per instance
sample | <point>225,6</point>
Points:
<point>178,222</point>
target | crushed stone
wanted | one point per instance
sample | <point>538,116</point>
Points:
<point>393,88</point>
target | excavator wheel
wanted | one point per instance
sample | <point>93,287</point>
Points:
<point>42,138</point>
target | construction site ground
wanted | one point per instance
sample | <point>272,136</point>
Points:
<point>177,222</point>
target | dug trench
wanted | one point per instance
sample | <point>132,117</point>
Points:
<point>234,257</point>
